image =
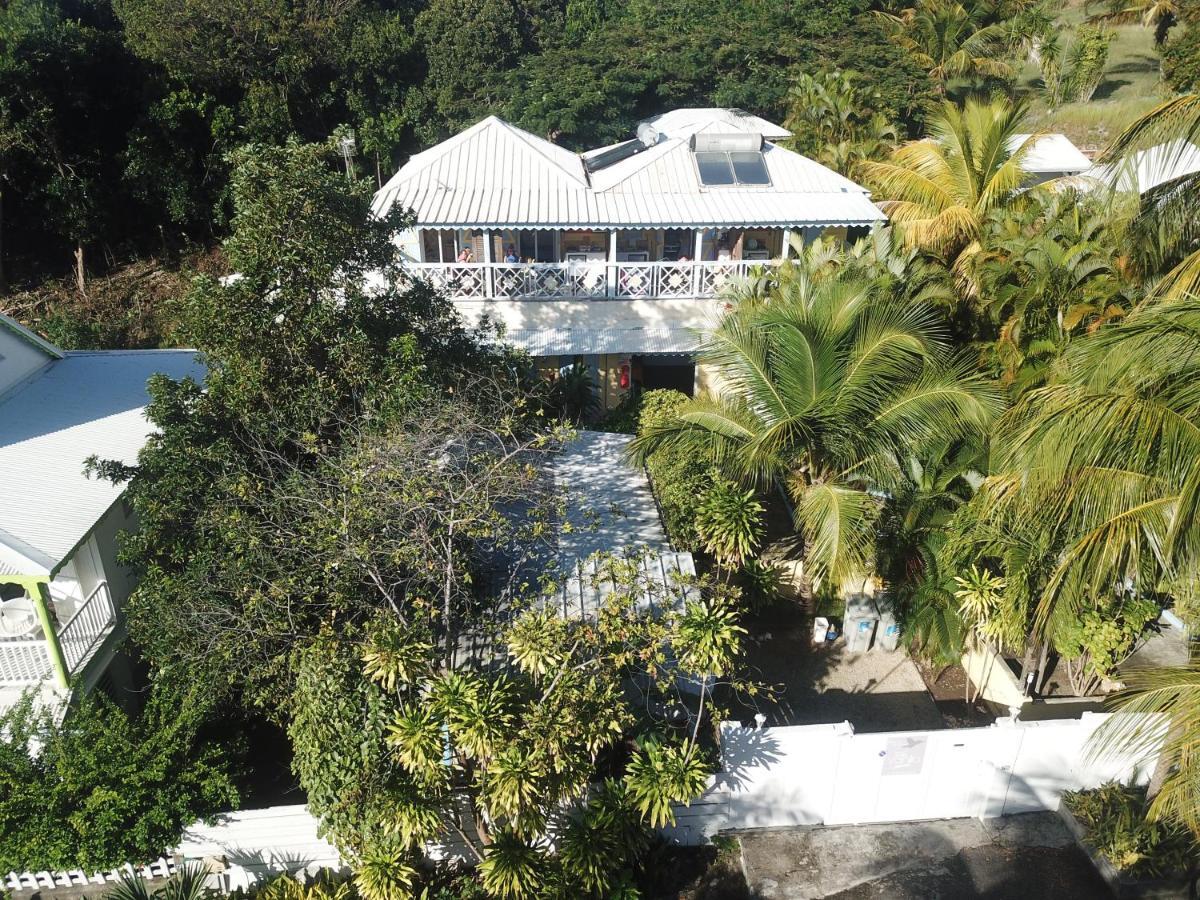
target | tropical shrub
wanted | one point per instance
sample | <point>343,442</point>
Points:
<point>729,522</point>
<point>679,476</point>
<point>1114,820</point>
<point>1093,644</point>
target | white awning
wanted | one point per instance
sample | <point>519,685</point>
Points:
<point>584,341</point>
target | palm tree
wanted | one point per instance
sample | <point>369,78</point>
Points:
<point>1048,273</point>
<point>940,191</point>
<point>1170,212</point>
<point>826,382</point>
<point>1106,459</point>
<point>950,40</point>
<point>1160,15</point>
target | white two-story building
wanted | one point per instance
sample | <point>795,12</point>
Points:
<point>614,257</point>
<point>61,588</point>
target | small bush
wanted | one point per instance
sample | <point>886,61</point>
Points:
<point>1114,819</point>
<point>680,478</point>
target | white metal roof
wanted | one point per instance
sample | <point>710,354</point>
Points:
<point>496,175</point>
<point>683,122</point>
<point>81,405</point>
<point>611,510</point>
<point>1050,154</point>
<point>1146,169</point>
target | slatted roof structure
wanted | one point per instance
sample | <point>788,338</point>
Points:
<point>494,175</point>
<point>79,404</point>
<point>611,511</point>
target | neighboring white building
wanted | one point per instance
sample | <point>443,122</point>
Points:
<point>61,589</point>
<point>621,251</point>
<point>1146,169</point>
<point>1050,156</point>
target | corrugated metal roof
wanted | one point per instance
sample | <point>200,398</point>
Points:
<point>82,405</point>
<point>611,510</point>
<point>1146,169</point>
<point>1050,154</point>
<point>682,122</point>
<point>495,175</point>
<point>574,341</point>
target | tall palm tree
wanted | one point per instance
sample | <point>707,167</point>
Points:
<point>1170,212</point>
<point>826,383</point>
<point>940,191</point>
<point>1107,459</point>
<point>950,40</point>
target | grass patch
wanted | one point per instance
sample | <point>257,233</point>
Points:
<point>1132,84</point>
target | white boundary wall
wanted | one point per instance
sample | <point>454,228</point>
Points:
<point>770,778</point>
<point>827,774</point>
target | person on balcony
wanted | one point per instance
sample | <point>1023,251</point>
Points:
<point>510,255</point>
<point>465,255</point>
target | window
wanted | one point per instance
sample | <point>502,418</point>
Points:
<point>725,167</point>
<point>749,167</point>
<point>538,246</point>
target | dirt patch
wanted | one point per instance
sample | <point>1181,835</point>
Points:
<point>948,687</point>
<point>695,873</point>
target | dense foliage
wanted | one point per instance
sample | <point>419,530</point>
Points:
<point>1113,817</point>
<point>107,786</point>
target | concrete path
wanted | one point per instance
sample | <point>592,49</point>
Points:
<point>1020,857</point>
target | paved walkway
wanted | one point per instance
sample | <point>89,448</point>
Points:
<point>1018,857</point>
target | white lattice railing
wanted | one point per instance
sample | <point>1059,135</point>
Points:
<point>87,627</point>
<point>589,280</point>
<point>27,660</point>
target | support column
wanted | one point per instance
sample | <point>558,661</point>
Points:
<point>612,264</point>
<point>697,257</point>
<point>40,593</point>
<point>488,253</point>
<point>787,244</point>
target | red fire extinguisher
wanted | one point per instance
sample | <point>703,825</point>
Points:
<point>623,378</point>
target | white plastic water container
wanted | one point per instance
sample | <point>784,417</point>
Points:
<point>820,629</point>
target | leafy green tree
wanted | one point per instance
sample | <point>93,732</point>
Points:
<point>951,40</point>
<point>729,523</point>
<point>106,786</point>
<point>823,381</point>
<point>1050,271</point>
<point>835,122</point>
<point>318,330</point>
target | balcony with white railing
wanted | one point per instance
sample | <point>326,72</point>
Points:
<point>586,280</point>
<point>26,659</point>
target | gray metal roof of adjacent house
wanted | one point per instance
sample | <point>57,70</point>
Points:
<point>493,174</point>
<point>78,405</point>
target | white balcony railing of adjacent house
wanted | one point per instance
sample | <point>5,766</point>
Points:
<point>26,660</point>
<point>586,280</point>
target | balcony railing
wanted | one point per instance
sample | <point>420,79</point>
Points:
<point>27,660</point>
<point>585,280</point>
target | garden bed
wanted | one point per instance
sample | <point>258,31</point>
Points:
<point>1109,821</point>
